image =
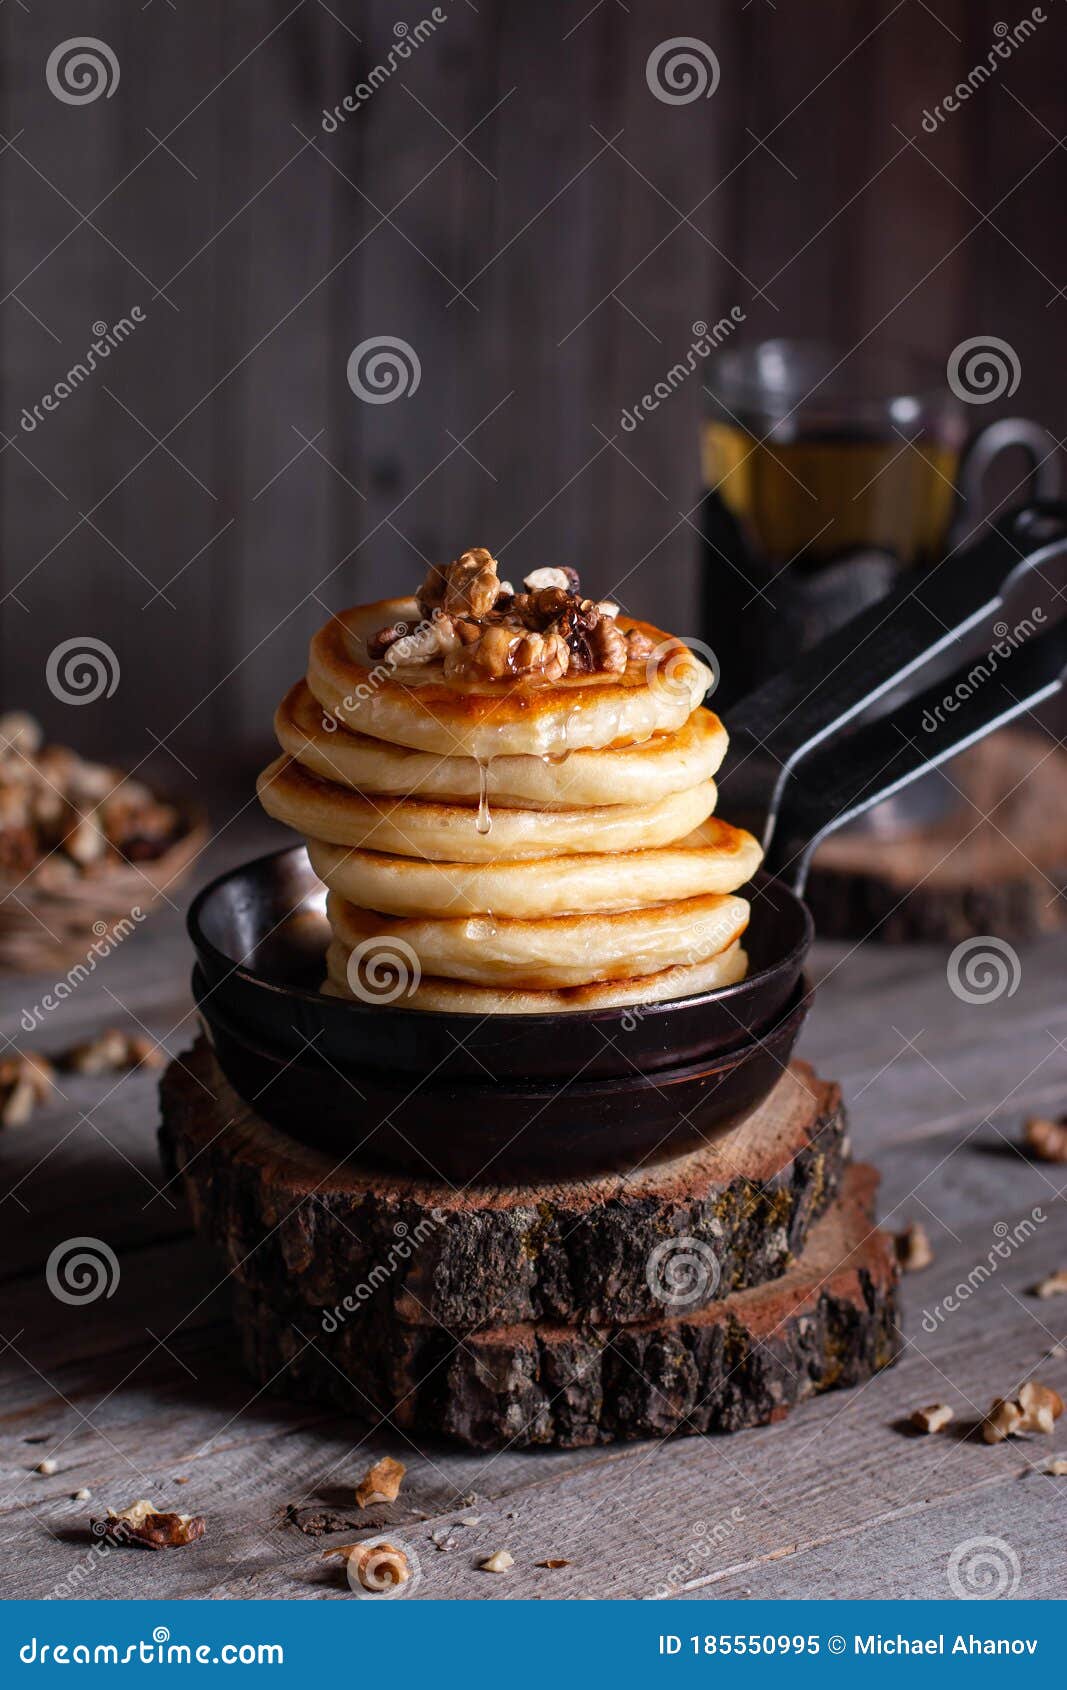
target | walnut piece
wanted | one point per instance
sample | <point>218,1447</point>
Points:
<point>1055,1285</point>
<point>469,585</point>
<point>1057,1467</point>
<point>26,1080</point>
<point>377,1566</point>
<point>566,579</point>
<point>610,651</point>
<point>914,1250</point>
<point>932,1419</point>
<point>555,1561</point>
<point>1036,1408</point>
<point>498,1562</point>
<point>112,1051</point>
<point>1003,1421</point>
<point>380,1483</point>
<point>143,1524</point>
<point>1047,1139</point>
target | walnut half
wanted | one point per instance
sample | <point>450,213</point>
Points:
<point>143,1524</point>
<point>468,586</point>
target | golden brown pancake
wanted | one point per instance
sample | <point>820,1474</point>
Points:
<point>414,705</point>
<point>451,833</point>
<point>550,953</point>
<point>714,858</point>
<point>633,774</point>
<point>457,997</point>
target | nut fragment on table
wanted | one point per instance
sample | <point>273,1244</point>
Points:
<point>377,1566</point>
<point>554,1561</point>
<point>111,1051</point>
<point>1057,1467</point>
<point>932,1419</point>
<point>1047,1139</point>
<point>1035,1408</point>
<point>1003,1420</point>
<point>142,1523</point>
<point>1054,1286</point>
<point>26,1080</point>
<point>47,1467</point>
<point>914,1250</point>
<point>498,1562</point>
<point>380,1483</point>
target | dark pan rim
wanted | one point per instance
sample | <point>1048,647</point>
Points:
<point>724,1063</point>
<point>723,995</point>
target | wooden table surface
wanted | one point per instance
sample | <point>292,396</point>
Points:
<point>140,1393</point>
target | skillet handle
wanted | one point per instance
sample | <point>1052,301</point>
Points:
<point>884,647</point>
<point>842,780</point>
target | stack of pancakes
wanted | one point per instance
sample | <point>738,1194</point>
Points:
<point>512,844</point>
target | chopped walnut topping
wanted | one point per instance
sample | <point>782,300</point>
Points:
<point>1047,1139</point>
<point>141,1523</point>
<point>469,585</point>
<point>498,1562</point>
<point>380,1483</point>
<point>914,1250</point>
<point>377,1566</point>
<point>610,651</point>
<point>932,1419</point>
<point>539,578</point>
<point>1055,1285</point>
<point>638,645</point>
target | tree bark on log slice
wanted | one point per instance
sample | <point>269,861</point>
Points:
<point>286,1221</point>
<point>996,864</point>
<point>828,1322</point>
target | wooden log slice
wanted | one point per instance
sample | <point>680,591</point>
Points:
<point>285,1219</point>
<point>996,864</point>
<point>829,1321</point>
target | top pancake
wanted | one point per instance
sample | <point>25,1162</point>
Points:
<point>414,705</point>
<point>633,774</point>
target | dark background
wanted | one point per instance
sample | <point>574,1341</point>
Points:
<point>208,497</point>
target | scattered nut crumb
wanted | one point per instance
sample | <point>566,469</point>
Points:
<point>1057,1467</point>
<point>914,1250</point>
<point>143,1524</point>
<point>1055,1352</point>
<point>552,1563</point>
<point>47,1467</point>
<point>25,1081</point>
<point>80,1495</point>
<point>110,1052</point>
<point>184,1481</point>
<point>1036,1409</point>
<point>471,1520</point>
<point>1002,1421</point>
<point>380,1483</point>
<point>1054,1286</point>
<point>932,1419</point>
<point>1047,1139</point>
<point>498,1562</point>
<point>377,1565</point>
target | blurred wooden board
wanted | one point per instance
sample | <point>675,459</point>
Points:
<point>996,864</point>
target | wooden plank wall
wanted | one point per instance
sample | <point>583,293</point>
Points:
<point>513,203</point>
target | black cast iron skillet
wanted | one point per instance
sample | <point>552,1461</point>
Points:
<point>260,935</point>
